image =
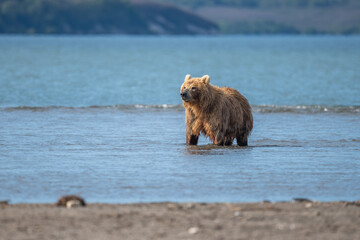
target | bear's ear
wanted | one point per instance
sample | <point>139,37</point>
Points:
<point>205,79</point>
<point>187,77</point>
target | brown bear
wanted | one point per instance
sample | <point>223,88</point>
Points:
<point>220,113</point>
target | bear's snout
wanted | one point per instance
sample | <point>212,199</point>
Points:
<point>185,95</point>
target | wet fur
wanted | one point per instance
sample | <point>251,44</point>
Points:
<point>222,114</point>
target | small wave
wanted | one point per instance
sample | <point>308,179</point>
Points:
<point>34,109</point>
<point>161,106</point>
<point>114,107</point>
<point>302,109</point>
<point>305,109</point>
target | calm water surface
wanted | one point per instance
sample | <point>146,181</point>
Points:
<point>101,117</point>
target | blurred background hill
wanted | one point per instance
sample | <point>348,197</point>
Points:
<point>99,17</point>
<point>279,16</point>
<point>180,16</point>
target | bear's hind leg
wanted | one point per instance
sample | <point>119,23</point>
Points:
<point>241,140</point>
<point>226,142</point>
<point>229,140</point>
<point>220,139</point>
<point>220,143</point>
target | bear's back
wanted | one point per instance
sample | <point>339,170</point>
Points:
<point>234,96</point>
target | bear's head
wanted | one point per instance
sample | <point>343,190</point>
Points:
<point>193,88</point>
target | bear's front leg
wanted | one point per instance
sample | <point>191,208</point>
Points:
<point>192,140</point>
<point>192,135</point>
<point>219,138</point>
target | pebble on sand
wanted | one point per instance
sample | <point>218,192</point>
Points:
<point>193,230</point>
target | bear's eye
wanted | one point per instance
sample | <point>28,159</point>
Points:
<point>193,88</point>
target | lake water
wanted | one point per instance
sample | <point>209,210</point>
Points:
<point>101,116</point>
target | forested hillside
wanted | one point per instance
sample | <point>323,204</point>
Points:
<point>279,16</point>
<point>98,17</point>
<point>180,16</point>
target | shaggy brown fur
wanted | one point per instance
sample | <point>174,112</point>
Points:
<point>63,200</point>
<point>222,114</point>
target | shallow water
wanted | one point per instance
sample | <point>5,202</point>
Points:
<point>96,116</point>
<point>139,155</point>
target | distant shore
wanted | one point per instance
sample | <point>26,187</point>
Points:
<point>174,17</point>
<point>263,220</point>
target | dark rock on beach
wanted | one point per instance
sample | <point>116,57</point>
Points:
<point>71,201</point>
<point>302,200</point>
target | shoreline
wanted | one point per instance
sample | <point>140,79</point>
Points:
<point>300,219</point>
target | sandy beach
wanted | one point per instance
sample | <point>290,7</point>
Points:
<point>283,220</point>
